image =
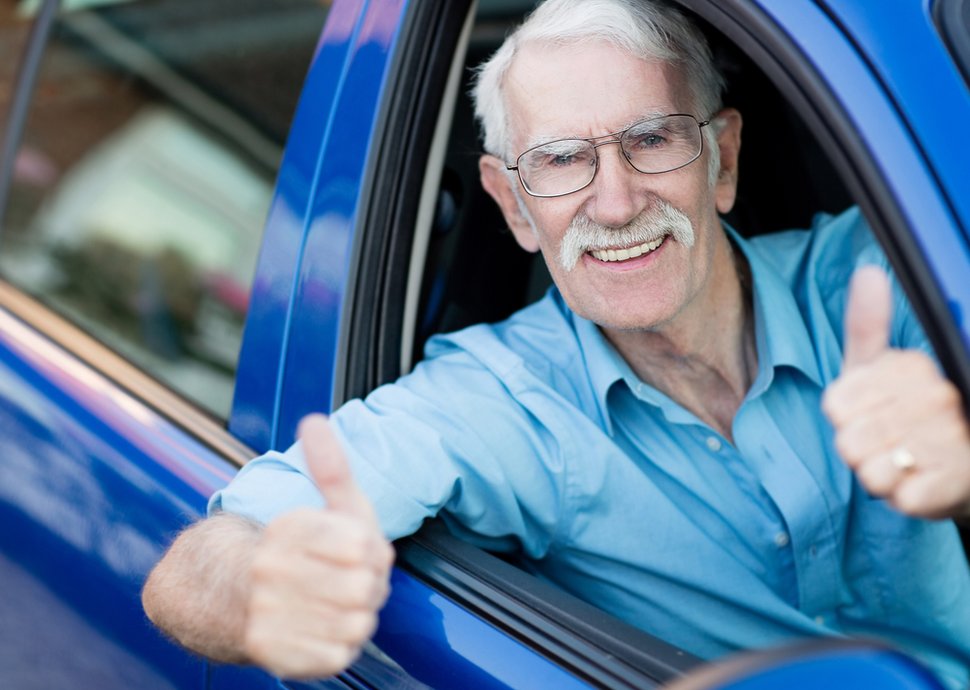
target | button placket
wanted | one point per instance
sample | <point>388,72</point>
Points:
<point>798,497</point>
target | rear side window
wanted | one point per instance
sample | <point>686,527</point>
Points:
<point>145,172</point>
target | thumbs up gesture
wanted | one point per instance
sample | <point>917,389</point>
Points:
<point>317,576</point>
<point>899,424</point>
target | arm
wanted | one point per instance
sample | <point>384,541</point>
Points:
<point>198,593</point>
<point>298,597</point>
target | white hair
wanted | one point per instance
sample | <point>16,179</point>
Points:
<point>647,29</point>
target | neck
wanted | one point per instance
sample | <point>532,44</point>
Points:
<point>705,358</point>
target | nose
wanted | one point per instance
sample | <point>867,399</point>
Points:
<point>617,196</point>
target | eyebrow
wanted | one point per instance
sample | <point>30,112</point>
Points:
<point>549,139</point>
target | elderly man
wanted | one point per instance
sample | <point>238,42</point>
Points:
<point>649,435</point>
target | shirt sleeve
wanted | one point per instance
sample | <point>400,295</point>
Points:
<point>452,438</point>
<point>844,243</point>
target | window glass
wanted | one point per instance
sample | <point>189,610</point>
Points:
<point>145,173</point>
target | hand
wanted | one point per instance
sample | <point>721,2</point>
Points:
<point>318,576</point>
<point>898,422</point>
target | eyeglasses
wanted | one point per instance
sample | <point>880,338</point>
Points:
<point>655,145</point>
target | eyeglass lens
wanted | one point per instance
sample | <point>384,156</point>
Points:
<point>652,146</point>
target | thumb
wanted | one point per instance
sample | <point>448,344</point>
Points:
<point>868,316</point>
<point>329,468</point>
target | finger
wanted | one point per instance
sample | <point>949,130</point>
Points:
<point>868,316</point>
<point>349,588</point>
<point>329,468</point>
<point>293,652</point>
<point>330,537</point>
<point>314,619</point>
<point>907,380</point>
<point>881,476</point>
<point>932,494</point>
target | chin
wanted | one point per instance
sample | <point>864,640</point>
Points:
<point>613,314</point>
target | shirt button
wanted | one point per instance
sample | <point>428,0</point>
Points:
<point>713,443</point>
<point>820,620</point>
<point>781,540</point>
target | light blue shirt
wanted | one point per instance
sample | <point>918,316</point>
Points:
<point>534,435</point>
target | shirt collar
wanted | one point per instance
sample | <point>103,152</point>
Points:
<point>781,336</point>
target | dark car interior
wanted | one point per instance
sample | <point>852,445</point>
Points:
<point>785,179</point>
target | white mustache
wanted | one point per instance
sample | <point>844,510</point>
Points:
<point>658,221</point>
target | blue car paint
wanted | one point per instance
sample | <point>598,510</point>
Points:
<point>92,484</point>
<point>332,219</point>
<point>925,85</point>
<point>840,669</point>
<point>301,278</point>
<point>255,412</point>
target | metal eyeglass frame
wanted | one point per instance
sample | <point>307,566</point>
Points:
<point>612,138</point>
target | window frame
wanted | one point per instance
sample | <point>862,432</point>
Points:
<point>952,18</point>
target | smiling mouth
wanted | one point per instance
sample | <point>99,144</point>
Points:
<point>629,252</point>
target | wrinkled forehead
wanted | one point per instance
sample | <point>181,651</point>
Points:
<point>585,89</point>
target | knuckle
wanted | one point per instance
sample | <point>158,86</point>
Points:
<point>387,555</point>
<point>921,363</point>
<point>258,646</point>
<point>344,656</point>
<point>358,626</point>
<point>848,449</point>
<point>948,396</point>
<point>382,591</point>
<point>915,364</point>
<point>263,568</point>
<point>832,402</point>
<point>359,593</point>
<point>909,502</point>
<point>875,482</point>
<point>356,546</point>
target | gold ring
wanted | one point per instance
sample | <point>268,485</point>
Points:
<point>903,459</point>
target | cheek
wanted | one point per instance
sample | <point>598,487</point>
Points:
<point>550,223</point>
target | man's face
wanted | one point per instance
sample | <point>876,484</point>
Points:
<point>590,90</point>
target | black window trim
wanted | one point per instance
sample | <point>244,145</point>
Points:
<point>952,19</point>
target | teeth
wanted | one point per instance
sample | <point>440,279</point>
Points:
<point>629,253</point>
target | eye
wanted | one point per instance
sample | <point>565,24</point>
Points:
<point>647,140</point>
<point>567,154</point>
<point>561,161</point>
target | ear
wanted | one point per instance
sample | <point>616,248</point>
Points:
<point>498,183</point>
<point>729,144</point>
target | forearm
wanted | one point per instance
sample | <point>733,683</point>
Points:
<point>198,593</point>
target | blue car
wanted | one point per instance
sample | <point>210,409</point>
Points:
<point>219,216</point>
